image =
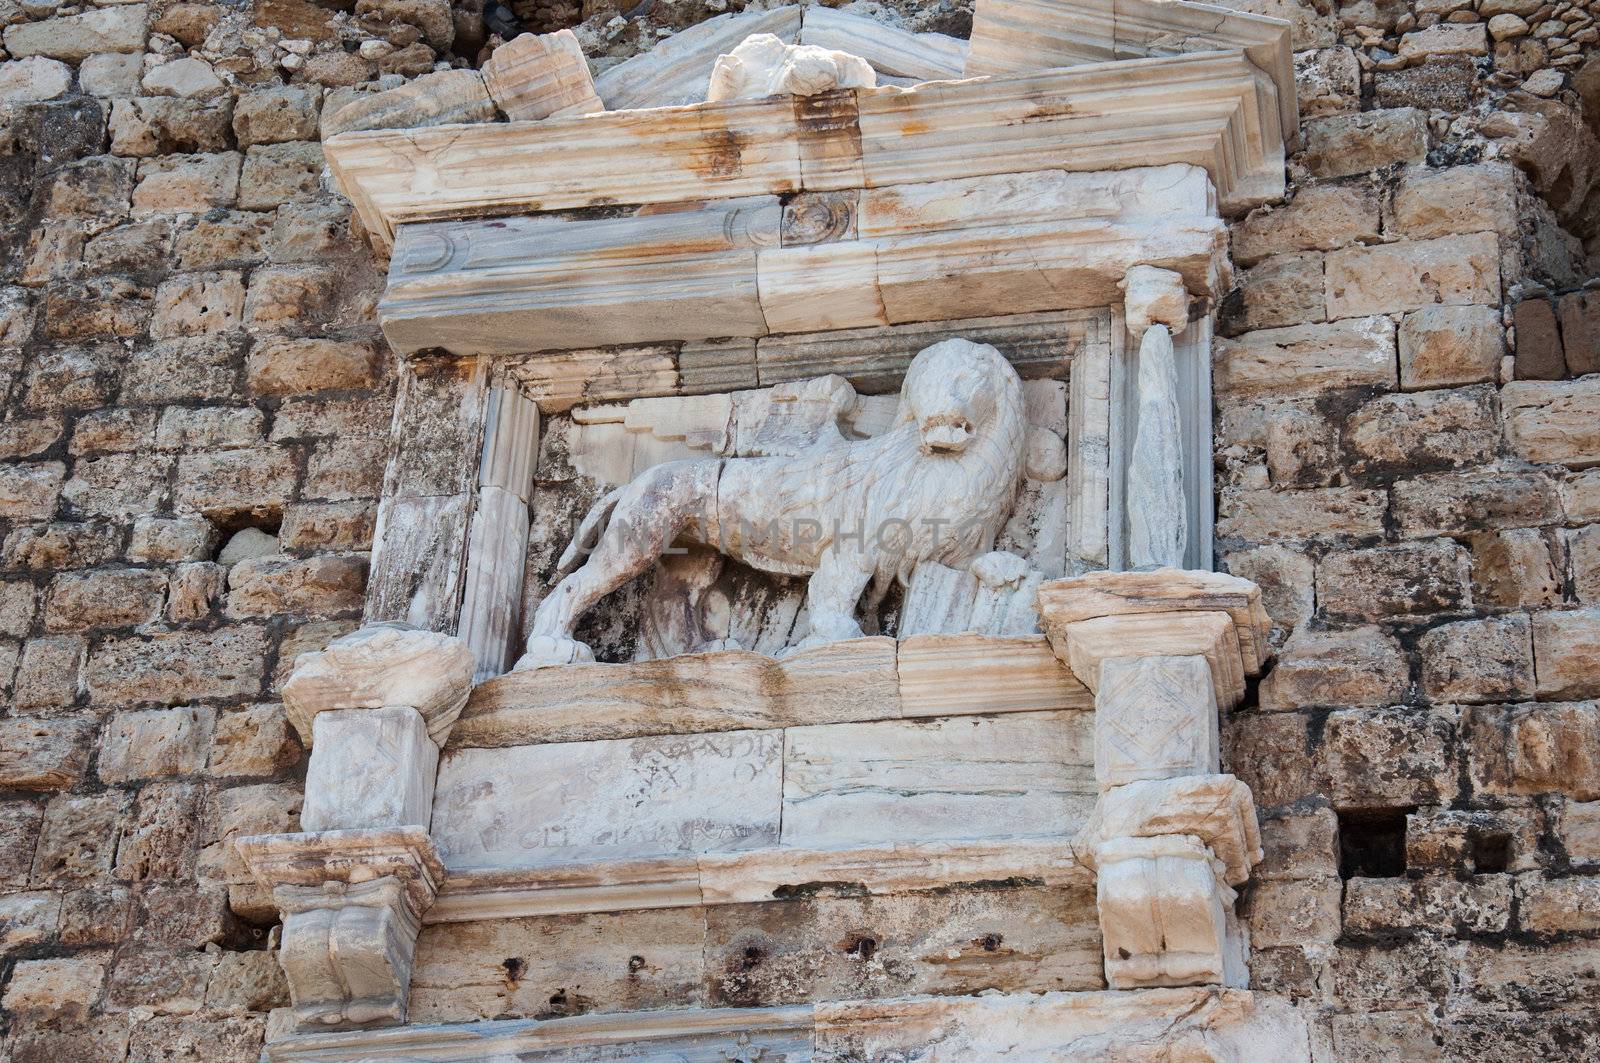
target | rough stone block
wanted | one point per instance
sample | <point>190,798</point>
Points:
<point>1448,346</point>
<point>1535,749</point>
<point>1453,270</point>
<point>323,586</point>
<point>328,526</point>
<point>1566,645</point>
<point>276,173</point>
<point>343,789</point>
<point>1256,516</point>
<point>290,296</point>
<point>148,126</point>
<point>338,470</point>
<point>47,676</point>
<point>254,741</point>
<point>160,846</point>
<point>1426,430</point>
<point>1299,844</point>
<point>214,427</point>
<point>33,79</point>
<point>1442,83</point>
<point>19,833</point>
<point>1478,661</point>
<point>1319,218</point>
<point>1388,758</point>
<point>1437,904</point>
<point>43,754</point>
<point>78,840</point>
<point>160,742</point>
<point>195,303</point>
<point>1339,145</point>
<point>1474,500</point>
<point>1293,912</point>
<point>63,988</point>
<point>28,919</point>
<point>178,666</point>
<point>1579,830</point>
<point>1514,568</point>
<point>187,182</point>
<point>103,598</point>
<point>1410,579</point>
<point>1328,80</point>
<point>255,481</point>
<point>1558,906</point>
<point>1286,578</point>
<point>1458,199</point>
<point>187,77</point>
<point>1580,331</point>
<point>195,591</point>
<point>1342,667</point>
<point>283,366</point>
<point>1540,355</point>
<point>111,74</point>
<point>104,29</point>
<point>275,114</point>
<point>1557,422</point>
<point>29,492</point>
<point>1306,359</point>
<point>221,238</point>
<point>186,370</point>
<point>1281,290</point>
<point>119,486</point>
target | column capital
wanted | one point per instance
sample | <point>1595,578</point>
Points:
<point>383,665</point>
<point>1154,296</point>
<point>1166,612</point>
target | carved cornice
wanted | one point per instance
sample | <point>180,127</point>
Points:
<point>1216,110</point>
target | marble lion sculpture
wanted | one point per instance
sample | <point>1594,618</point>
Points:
<point>936,486</point>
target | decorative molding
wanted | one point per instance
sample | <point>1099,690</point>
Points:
<point>1010,36</point>
<point>859,680</point>
<point>944,249</point>
<point>753,876</point>
<point>1215,110</point>
<point>1229,1023</point>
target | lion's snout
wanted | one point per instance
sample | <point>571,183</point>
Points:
<point>946,433</point>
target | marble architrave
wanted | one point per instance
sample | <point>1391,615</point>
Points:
<point>905,253</point>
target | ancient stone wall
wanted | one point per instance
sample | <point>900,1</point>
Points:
<point>196,407</point>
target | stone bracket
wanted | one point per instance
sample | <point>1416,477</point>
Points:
<point>353,902</point>
<point>1171,836</point>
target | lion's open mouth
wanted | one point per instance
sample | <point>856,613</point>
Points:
<point>946,434</point>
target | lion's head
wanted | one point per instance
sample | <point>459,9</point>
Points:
<point>954,390</point>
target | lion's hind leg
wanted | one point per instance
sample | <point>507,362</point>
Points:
<point>647,515</point>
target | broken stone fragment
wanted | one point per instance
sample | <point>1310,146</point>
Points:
<point>380,666</point>
<point>447,97</point>
<point>541,76</point>
<point>762,65</point>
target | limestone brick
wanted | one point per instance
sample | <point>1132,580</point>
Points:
<point>1451,270</point>
<point>1338,145</point>
<point>1448,346</point>
<point>1321,217</point>
<point>1337,667</point>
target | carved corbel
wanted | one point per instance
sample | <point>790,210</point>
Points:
<point>375,707</point>
<point>1171,837</point>
<point>352,904</point>
<point>1156,309</point>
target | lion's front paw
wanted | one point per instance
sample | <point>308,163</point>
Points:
<point>999,569</point>
<point>547,651</point>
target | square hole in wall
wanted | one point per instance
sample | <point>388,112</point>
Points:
<point>1372,842</point>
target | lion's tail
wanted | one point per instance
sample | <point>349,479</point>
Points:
<point>588,533</point>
